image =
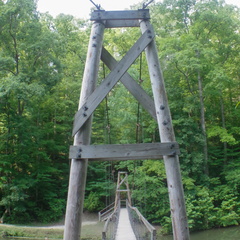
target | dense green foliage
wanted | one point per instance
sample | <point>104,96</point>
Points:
<point>41,66</point>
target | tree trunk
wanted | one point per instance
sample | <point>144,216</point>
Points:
<point>224,126</point>
<point>202,120</point>
<point>2,218</point>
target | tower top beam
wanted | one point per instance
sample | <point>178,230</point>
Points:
<point>115,19</point>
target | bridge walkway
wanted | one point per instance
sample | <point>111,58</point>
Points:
<point>124,229</point>
<point>123,221</point>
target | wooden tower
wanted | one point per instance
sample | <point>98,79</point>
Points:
<point>122,181</point>
<point>91,96</point>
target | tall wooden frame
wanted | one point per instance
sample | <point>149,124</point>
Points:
<point>122,181</point>
<point>91,96</point>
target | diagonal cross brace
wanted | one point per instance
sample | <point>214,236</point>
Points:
<point>109,82</point>
<point>133,87</point>
<point>123,180</point>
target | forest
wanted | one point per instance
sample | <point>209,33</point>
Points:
<point>42,61</point>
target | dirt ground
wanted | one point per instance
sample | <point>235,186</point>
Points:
<point>88,219</point>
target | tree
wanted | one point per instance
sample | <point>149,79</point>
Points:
<point>29,72</point>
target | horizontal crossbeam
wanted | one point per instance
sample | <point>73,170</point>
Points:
<point>109,82</point>
<point>124,151</point>
<point>115,19</point>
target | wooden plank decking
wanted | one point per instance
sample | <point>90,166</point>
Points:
<point>124,230</point>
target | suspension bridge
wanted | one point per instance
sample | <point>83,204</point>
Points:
<point>82,151</point>
<point>123,221</point>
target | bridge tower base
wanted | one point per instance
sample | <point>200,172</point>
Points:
<point>91,96</point>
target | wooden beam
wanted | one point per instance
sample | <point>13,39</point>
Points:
<point>78,171</point>
<point>172,166</point>
<point>122,181</point>
<point>109,82</point>
<point>121,23</point>
<point>118,19</point>
<point>124,151</point>
<point>135,89</point>
<point>101,15</point>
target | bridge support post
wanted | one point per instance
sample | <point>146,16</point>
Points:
<point>78,171</point>
<point>90,98</point>
<point>175,188</point>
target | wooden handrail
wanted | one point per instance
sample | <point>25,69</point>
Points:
<point>104,212</point>
<point>150,228</point>
<point>108,207</point>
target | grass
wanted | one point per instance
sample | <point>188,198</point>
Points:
<point>89,232</point>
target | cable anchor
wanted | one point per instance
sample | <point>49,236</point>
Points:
<point>146,4</point>
<point>98,6</point>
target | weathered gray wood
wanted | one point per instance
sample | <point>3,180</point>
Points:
<point>109,82</point>
<point>124,151</point>
<point>101,15</point>
<point>123,180</point>
<point>135,89</point>
<point>124,229</point>
<point>78,171</point>
<point>150,228</point>
<point>116,19</point>
<point>121,23</point>
<point>175,188</point>
<point>125,158</point>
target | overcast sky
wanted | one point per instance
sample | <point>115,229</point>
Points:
<point>81,8</point>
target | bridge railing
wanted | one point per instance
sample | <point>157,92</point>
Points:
<point>142,229</point>
<point>106,212</point>
<point>111,224</point>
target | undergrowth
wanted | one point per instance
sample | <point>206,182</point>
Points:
<point>89,232</point>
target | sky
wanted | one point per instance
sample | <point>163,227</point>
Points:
<point>81,8</point>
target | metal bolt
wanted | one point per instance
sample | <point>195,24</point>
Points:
<point>162,107</point>
<point>94,45</point>
<point>165,122</point>
<point>85,108</point>
<point>84,114</point>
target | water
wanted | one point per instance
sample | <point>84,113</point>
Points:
<point>231,233</point>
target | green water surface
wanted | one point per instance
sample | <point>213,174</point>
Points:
<point>231,233</point>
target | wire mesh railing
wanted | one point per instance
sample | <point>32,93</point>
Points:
<point>110,227</point>
<point>142,229</point>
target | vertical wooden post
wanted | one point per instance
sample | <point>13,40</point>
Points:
<point>117,195</point>
<point>175,188</point>
<point>78,171</point>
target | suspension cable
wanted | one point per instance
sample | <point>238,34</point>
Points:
<point>98,6</point>
<point>107,140</point>
<point>138,125</point>
<point>146,4</point>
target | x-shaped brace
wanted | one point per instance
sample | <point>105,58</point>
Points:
<point>110,81</point>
